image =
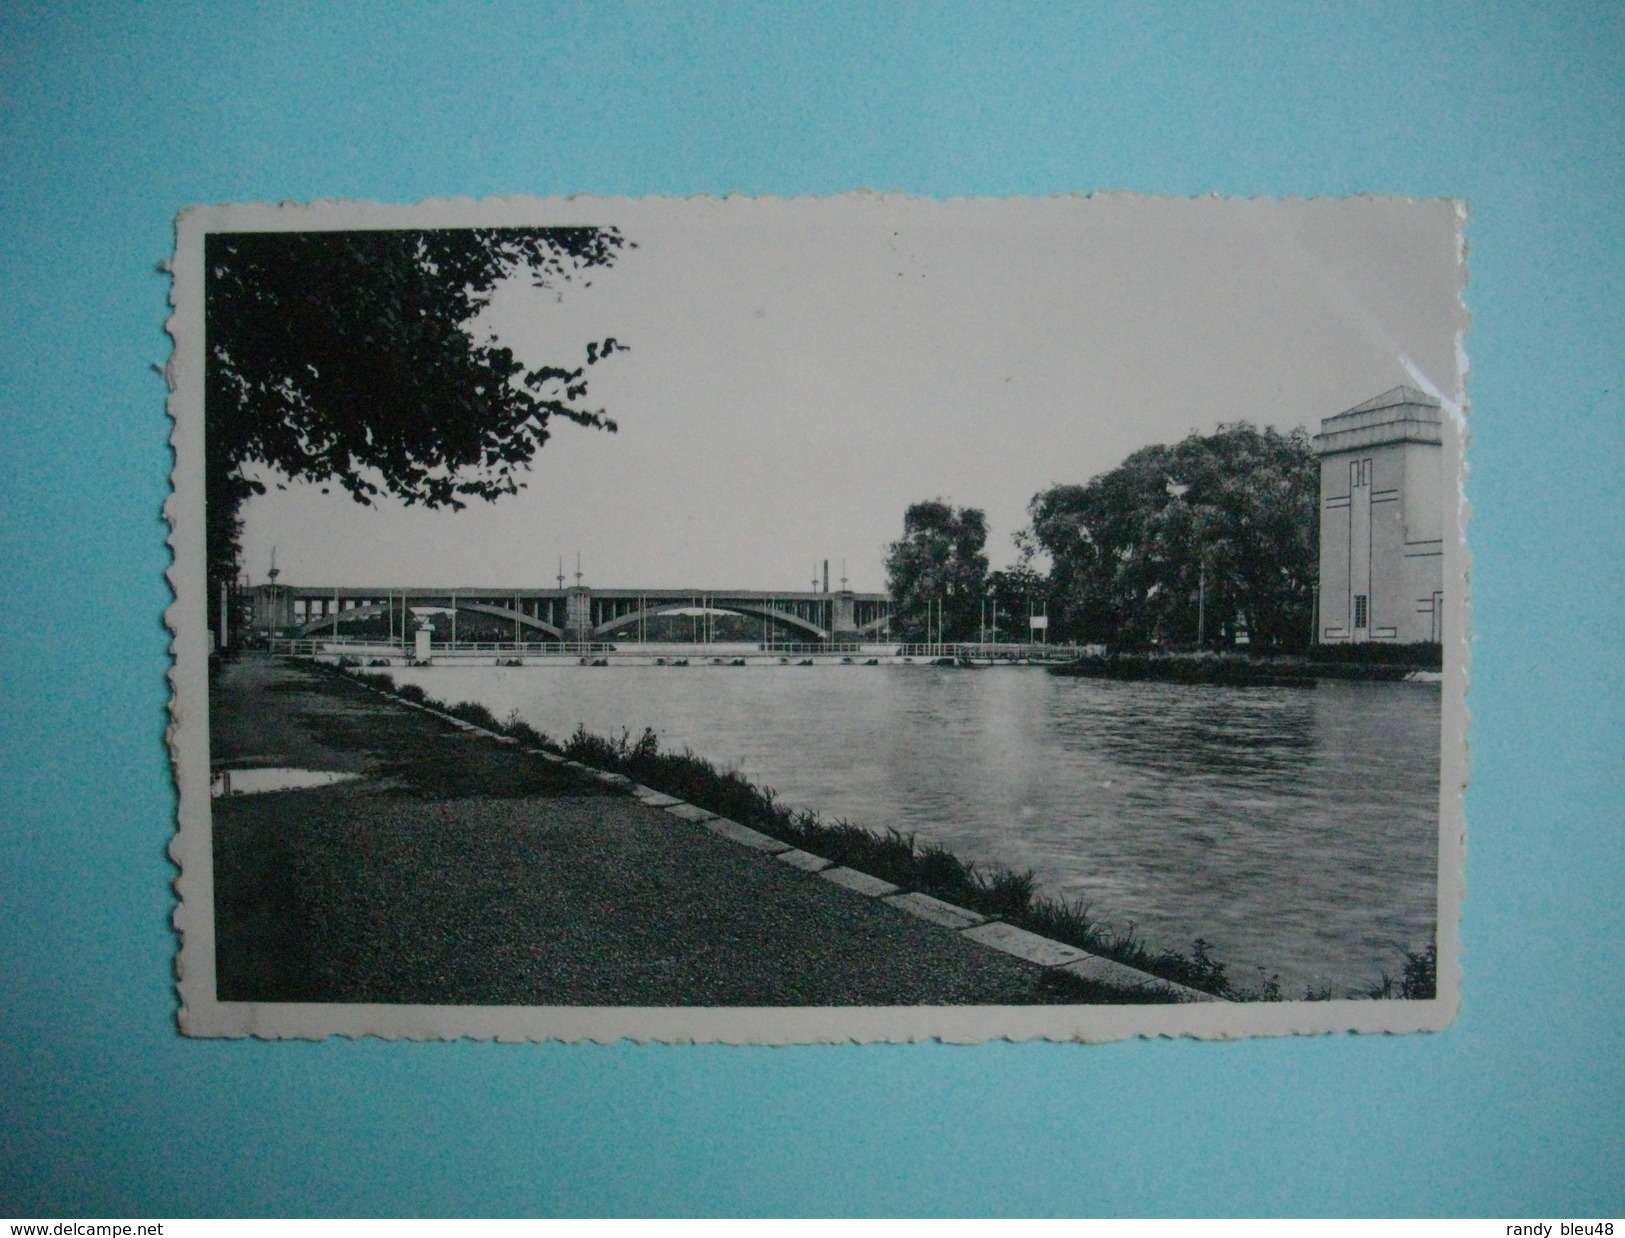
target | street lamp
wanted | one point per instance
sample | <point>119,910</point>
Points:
<point>1201,604</point>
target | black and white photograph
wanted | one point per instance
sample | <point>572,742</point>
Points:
<point>811,620</point>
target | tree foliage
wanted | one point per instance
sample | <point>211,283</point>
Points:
<point>939,562</point>
<point>1014,595</point>
<point>347,357</point>
<point>1231,516</point>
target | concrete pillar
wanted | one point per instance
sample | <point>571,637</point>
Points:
<point>844,619</point>
<point>578,614</point>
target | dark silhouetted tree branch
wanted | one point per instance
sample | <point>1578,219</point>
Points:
<point>347,357</point>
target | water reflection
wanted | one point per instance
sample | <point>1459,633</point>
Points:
<point>1174,728</point>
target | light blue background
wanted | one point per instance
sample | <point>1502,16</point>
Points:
<point>114,116</point>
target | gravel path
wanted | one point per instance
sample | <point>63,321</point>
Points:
<point>461,871</point>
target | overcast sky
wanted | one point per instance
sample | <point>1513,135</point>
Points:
<point>800,371</point>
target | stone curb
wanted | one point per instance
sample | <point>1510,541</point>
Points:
<point>806,861</point>
<point>688,812</point>
<point>1110,971</point>
<point>936,911</point>
<point>745,836</point>
<point>1009,939</point>
<point>993,934</point>
<point>863,883</point>
<point>653,798</point>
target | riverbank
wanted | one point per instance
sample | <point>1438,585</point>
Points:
<point>1293,831</point>
<point>1165,668</point>
<point>899,859</point>
<point>458,869</point>
<point>1364,663</point>
<point>935,872</point>
<point>893,859</point>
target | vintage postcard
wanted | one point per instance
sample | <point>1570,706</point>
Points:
<point>865,618</point>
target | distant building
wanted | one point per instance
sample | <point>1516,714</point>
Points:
<point>1382,521</point>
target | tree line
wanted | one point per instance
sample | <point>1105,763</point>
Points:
<point>1202,543</point>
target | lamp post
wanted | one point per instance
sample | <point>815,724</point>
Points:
<point>1201,606</point>
<point>1176,493</point>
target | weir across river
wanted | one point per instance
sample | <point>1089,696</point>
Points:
<point>357,651</point>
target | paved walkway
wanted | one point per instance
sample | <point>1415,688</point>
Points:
<point>458,870</point>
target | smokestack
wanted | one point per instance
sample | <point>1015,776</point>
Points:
<point>826,575</point>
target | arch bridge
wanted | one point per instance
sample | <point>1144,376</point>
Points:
<point>572,614</point>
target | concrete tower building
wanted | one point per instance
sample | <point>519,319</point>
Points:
<point>1382,521</point>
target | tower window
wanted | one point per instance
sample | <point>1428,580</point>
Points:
<point>1360,610</point>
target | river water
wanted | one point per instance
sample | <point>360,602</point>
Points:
<point>1295,830</point>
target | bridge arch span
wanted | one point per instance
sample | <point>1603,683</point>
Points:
<point>511,615</point>
<point>731,607</point>
<point>314,627</point>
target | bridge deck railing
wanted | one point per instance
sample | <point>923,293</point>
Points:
<point>360,647</point>
<point>981,651</point>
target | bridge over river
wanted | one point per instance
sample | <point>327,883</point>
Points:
<point>588,624</point>
<point>576,614</point>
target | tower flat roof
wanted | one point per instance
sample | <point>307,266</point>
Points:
<point>1400,415</point>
